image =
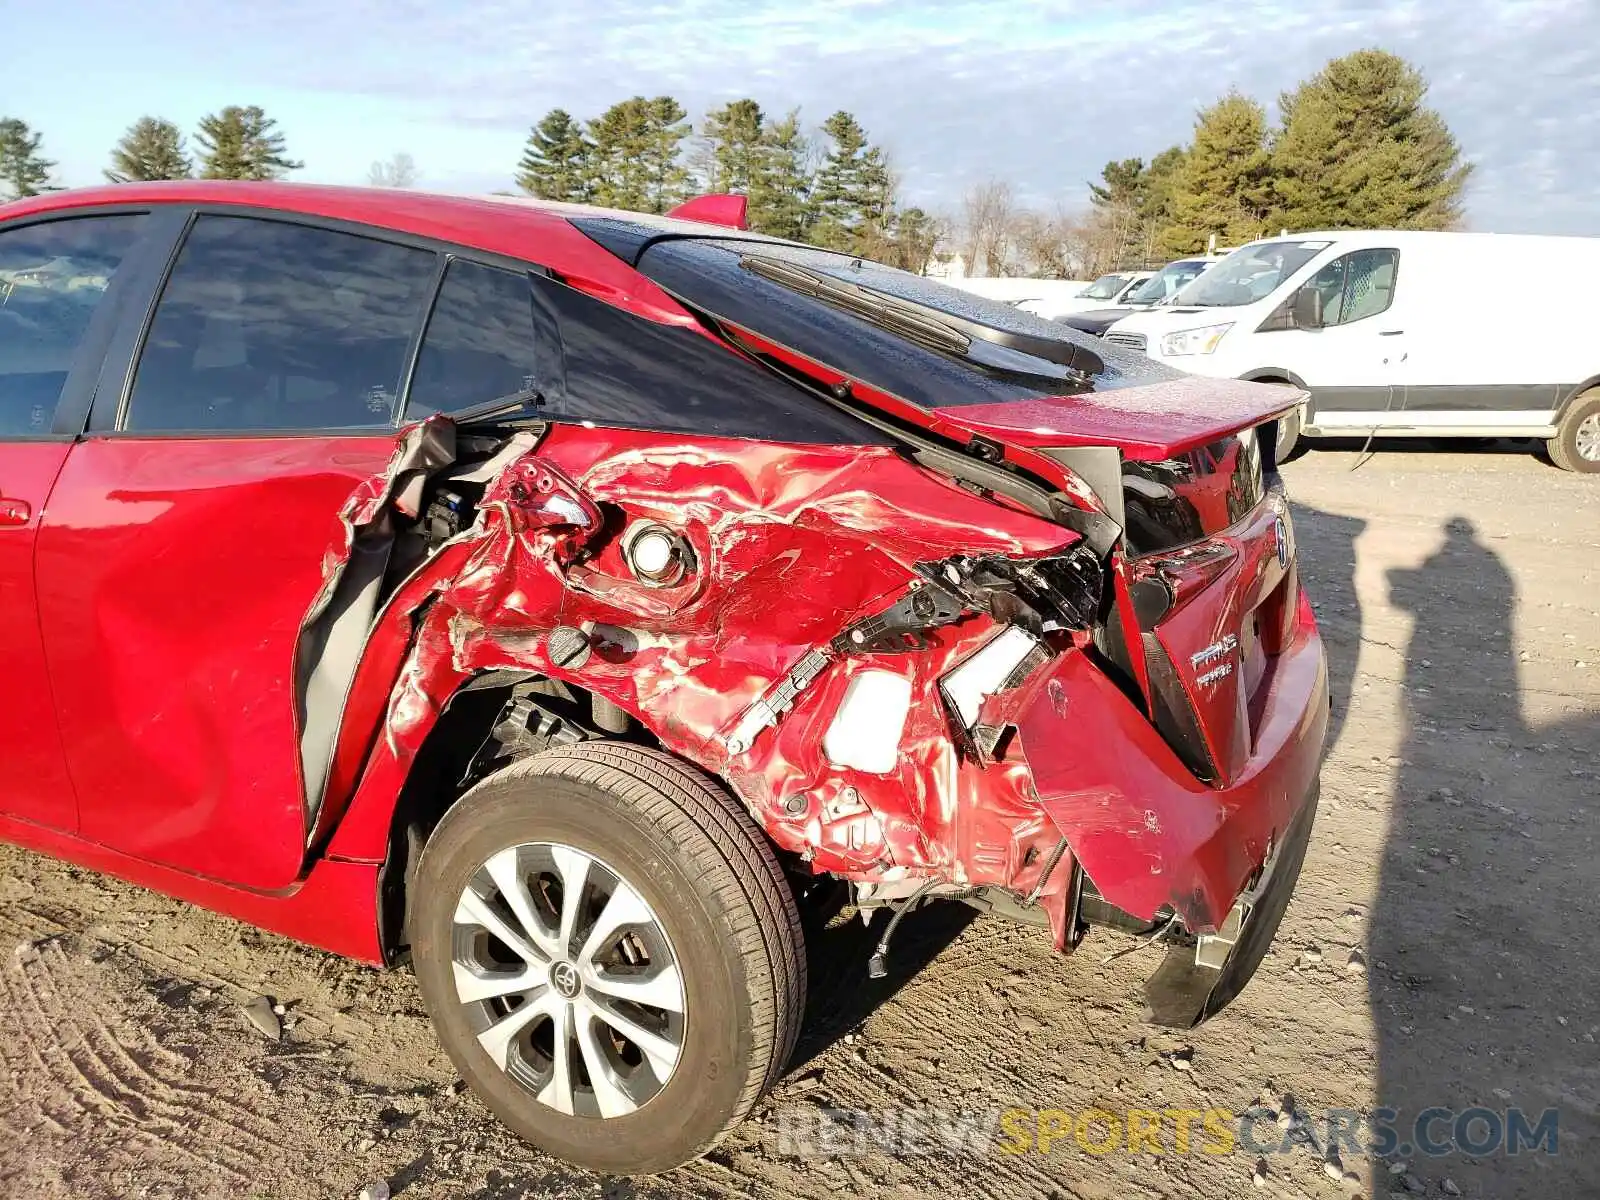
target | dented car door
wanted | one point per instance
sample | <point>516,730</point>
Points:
<point>185,542</point>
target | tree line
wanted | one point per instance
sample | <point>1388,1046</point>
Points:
<point>1353,146</point>
<point>236,142</point>
<point>830,186</point>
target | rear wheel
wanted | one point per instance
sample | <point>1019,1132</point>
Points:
<point>610,954</point>
<point>1576,446</point>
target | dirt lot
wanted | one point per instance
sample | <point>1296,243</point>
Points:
<point>1455,849</point>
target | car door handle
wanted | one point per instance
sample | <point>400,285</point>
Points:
<point>14,512</point>
<point>1390,332</point>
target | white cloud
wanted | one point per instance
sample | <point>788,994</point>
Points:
<point>1041,93</point>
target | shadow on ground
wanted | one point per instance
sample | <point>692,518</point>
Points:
<point>1484,937</point>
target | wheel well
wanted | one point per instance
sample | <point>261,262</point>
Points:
<point>1576,394</point>
<point>1274,375</point>
<point>490,722</point>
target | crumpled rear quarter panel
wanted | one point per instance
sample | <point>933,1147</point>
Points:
<point>791,543</point>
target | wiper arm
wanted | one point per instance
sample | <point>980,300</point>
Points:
<point>901,319</point>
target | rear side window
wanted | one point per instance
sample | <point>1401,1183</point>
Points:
<point>270,326</point>
<point>482,343</point>
<point>619,369</point>
<point>53,277</point>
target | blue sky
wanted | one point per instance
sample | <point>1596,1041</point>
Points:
<point>1040,93</point>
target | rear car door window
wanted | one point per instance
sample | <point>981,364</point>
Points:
<point>53,277</point>
<point>271,326</point>
<point>481,343</point>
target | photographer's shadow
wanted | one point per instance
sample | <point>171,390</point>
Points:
<point>1482,963</point>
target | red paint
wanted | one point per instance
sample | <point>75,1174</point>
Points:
<point>173,577</point>
<point>334,907</point>
<point>33,770</point>
<point>808,532</point>
<point>715,208</point>
<point>1145,829</point>
<point>1149,421</point>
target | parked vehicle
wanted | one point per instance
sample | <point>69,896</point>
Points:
<point>1012,289</point>
<point>555,596</point>
<point>1108,289</point>
<point>1402,334</point>
<point>1160,288</point>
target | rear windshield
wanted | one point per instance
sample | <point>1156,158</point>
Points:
<point>914,337</point>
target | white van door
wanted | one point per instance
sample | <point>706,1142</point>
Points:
<point>1354,363</point>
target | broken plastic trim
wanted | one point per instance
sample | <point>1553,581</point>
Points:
<point>1045,595</point>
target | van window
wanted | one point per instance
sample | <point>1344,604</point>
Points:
<point>1356,286</point>
<point>1104,288</point>
<point>1251,273</point>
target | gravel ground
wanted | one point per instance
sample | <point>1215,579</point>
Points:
<point>1443,949</point>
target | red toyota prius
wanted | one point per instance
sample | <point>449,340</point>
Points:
<point>546,594</point>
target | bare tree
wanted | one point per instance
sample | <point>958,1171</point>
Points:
<point>988,212</point>
<point>1050,246</point>
<point>399,172</point>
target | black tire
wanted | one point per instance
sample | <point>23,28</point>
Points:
<point>1563,448</point>
<point>697,858</point>
<point>1290,445</point>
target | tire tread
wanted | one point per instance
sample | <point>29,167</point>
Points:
<point>726,849</point>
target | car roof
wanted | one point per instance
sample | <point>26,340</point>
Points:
<point>536,231</point>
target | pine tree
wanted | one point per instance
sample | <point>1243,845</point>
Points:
<point>1117,204</point>
<point>242,143</point>
<point>1121,183</point>
<point>623,139</point>
<point>23,170</point>
<point>780,194</point>
<point>558,163</point>
<point>1359,150</point>
<point>151,149</point>
<point>1224,185</point>
<point>732,147</point>
<point>853,190</point>
<point>1155,206</point>
<point>915,236</point>
<point>669,178</point>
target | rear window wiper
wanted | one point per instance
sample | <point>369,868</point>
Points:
<point>902,319</point>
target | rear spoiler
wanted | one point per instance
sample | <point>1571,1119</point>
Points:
<point>1149,421</point>
<point>715,208</point>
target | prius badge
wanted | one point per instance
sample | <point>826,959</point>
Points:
<point>1215,659</point>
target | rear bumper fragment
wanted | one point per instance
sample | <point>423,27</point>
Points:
<point>1149,834</point>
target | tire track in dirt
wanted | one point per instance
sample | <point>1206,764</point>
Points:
<point>90,1071</point>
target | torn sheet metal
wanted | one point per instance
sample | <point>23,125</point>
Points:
<point>791,547</point>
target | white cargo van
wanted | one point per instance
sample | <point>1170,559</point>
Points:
<point>1407,334</point>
